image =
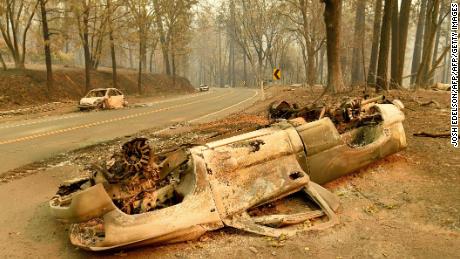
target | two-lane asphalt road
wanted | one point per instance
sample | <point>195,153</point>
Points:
<point>23,142</point>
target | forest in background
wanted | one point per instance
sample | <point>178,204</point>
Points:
<point>341,44</point>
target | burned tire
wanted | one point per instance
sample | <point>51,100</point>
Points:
<point>102,105</point>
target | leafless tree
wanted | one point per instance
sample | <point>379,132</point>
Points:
<point>15,21</point>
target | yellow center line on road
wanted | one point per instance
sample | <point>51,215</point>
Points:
<point>135,106</point>
<point>89,125</point>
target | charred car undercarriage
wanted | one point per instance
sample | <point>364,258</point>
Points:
<point>139,197</point>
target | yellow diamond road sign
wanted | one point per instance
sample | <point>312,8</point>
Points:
<point>276,74</point>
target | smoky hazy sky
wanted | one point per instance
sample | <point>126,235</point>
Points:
<point>217,2</point>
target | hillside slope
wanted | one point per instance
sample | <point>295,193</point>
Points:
<point>28,87</point>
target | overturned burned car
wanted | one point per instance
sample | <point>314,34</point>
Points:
<point>141,198</point>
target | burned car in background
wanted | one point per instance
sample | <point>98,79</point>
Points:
<point>103,98</point>
<point>204,88</point>
<point>139,197</point>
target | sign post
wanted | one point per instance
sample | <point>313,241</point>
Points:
<point>262,93</point>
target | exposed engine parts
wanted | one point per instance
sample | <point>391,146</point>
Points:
<point>347,115</point>
<point>136,154</point>
<point>134,180</point>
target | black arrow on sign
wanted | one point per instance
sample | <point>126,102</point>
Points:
<point>277,74</point>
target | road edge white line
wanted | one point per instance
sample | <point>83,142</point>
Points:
<point>216,112</point>
<point>210,114</point>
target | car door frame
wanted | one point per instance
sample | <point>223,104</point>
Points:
<point>114,98</point>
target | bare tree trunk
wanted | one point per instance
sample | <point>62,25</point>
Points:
<point>232,43</point>
<point>382,69</point>
<point>321,65</point>
<point>200,78</point>
<point>231,58</point>
<point>260,66</point>
<point>304,60</point>
<point>221,78</point>
<point>438,34</point>
<point>446,75</point>
<point>332,19</point>
<point>163,43</point>
<point>229,68</point>
<point>297,70</point>
<point>112,44</point>
<point>231,62</point>
<point>308,47</point>
<point>416,56</point>
<point>394,44</point>
<point>167,65</point>
<point>152,52</point>
<point>139,74</point>
<point>46,39</point>
<point>245,73</point>
<point>317,59</point>
<point>446,71</point>
<point>173,59</point>
<point>173,64</point>
<point>371,79</point>
<point>98,34</point>
<point>130,54</point>
<point>311,79</point>
<point>403,29</point>
<point>344,64</point>
<point>96,57</point>
<point>356,66</point>
<point>428,43</point>
<point>3,62</point>
<point>65,7</point>
<point>144,55</point>
<point>86,50</point>
<point>233,65</point>
<point>114,60</point>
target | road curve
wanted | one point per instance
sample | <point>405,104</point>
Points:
<point>23,142</point>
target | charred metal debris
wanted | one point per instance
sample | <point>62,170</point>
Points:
<point>346,115</point>
<point>138,180</point>
<point>140,197</point>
